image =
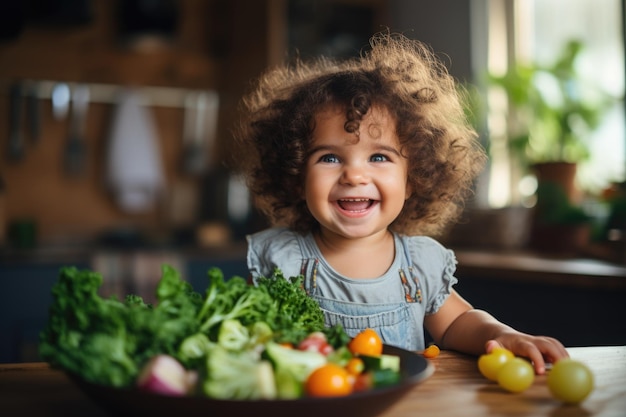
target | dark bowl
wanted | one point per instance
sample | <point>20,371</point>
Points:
<point>133,402</point>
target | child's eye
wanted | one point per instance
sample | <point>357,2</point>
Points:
<point>378,158</point>
<point>329,158</point>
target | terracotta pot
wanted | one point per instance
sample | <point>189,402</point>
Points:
<point>560,238</point>
<point>501,228</point>
<point>562,173</point>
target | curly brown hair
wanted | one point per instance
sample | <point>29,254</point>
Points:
<point>398,74</point>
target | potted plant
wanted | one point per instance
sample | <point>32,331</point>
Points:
<point>551,112</point>
<point>559,225</point>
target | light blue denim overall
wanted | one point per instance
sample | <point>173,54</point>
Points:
<point>417,283</point>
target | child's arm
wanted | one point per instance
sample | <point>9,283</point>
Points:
<point>458,326</point>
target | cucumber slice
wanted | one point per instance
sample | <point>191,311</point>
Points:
<point>383,361</point>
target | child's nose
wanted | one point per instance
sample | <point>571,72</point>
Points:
<point>355,175</point>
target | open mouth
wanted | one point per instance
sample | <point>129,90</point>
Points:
<point>355,204</point>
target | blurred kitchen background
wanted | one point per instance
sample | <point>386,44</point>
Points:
<point>116,133</point>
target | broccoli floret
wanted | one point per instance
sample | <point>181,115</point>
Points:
<point>232,299</point>
<point>292,367</point>
<point>233,335</point>
<point>193,349</point>
<point>237,376</point>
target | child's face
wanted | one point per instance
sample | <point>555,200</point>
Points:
<point>355,188</point>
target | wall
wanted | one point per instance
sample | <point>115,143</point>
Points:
<point>212,49</point>
<point>442,24</point>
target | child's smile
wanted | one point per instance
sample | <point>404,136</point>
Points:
<point>355,205</point>
<point>355,185</point>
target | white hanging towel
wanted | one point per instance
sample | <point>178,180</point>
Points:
<point>134,166</point>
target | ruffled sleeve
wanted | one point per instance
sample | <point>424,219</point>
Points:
<point>435,266</point>
<point>274,248</point>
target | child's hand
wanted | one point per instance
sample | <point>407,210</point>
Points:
<point>539,349</point>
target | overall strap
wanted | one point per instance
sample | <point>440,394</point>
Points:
<point>308,269</point>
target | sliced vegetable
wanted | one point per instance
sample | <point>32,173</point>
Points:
<point>384,377</point>
<point>165,375</point>
<point>375,379</point>
<point>374,363</point>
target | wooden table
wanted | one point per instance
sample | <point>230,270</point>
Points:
<point>455,389</point>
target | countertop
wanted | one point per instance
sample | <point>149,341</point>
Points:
<point>456,388</point>
<point>532,267</point>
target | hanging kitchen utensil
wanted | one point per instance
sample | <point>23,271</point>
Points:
<point>209,134</point>
<point>15,150</point>
<point>134,166</point>
<point>33,111</point>
<point>189,125</point>
<point>75,150</point>
<point>60,101</point>
<point>199,131</point>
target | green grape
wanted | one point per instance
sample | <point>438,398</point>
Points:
<point>516,375</point>
<point>570,381</point>
<point>490,363</point>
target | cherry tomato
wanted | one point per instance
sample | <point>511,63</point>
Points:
<point>316,342</point>
<point>367,342</point>
<point>490,363</point>
<point>570,381</point>
<point>355,366</point>
<point>516,375</point>
<point>330,380</point>
<point>431,351</point>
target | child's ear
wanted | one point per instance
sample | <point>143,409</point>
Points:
<point>409,191</point>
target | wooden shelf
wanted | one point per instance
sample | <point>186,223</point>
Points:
<point>532,268</point>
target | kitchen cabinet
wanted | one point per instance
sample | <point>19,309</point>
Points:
<point>24,301</point>
<point>581,302</point>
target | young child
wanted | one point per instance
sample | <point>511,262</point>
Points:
<point>358,165</point>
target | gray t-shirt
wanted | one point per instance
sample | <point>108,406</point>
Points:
<point>418,282</point>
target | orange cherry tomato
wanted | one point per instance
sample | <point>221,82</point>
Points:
<point>330,380</point>
<point>431,351</point>
<point>355,366</point>
<point>367,342</point>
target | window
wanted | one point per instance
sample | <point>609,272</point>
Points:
<point>509,31</point>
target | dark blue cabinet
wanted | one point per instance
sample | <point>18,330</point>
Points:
<point>25,296</point>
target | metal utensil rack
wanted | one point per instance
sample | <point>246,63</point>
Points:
<point>108,93</point>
